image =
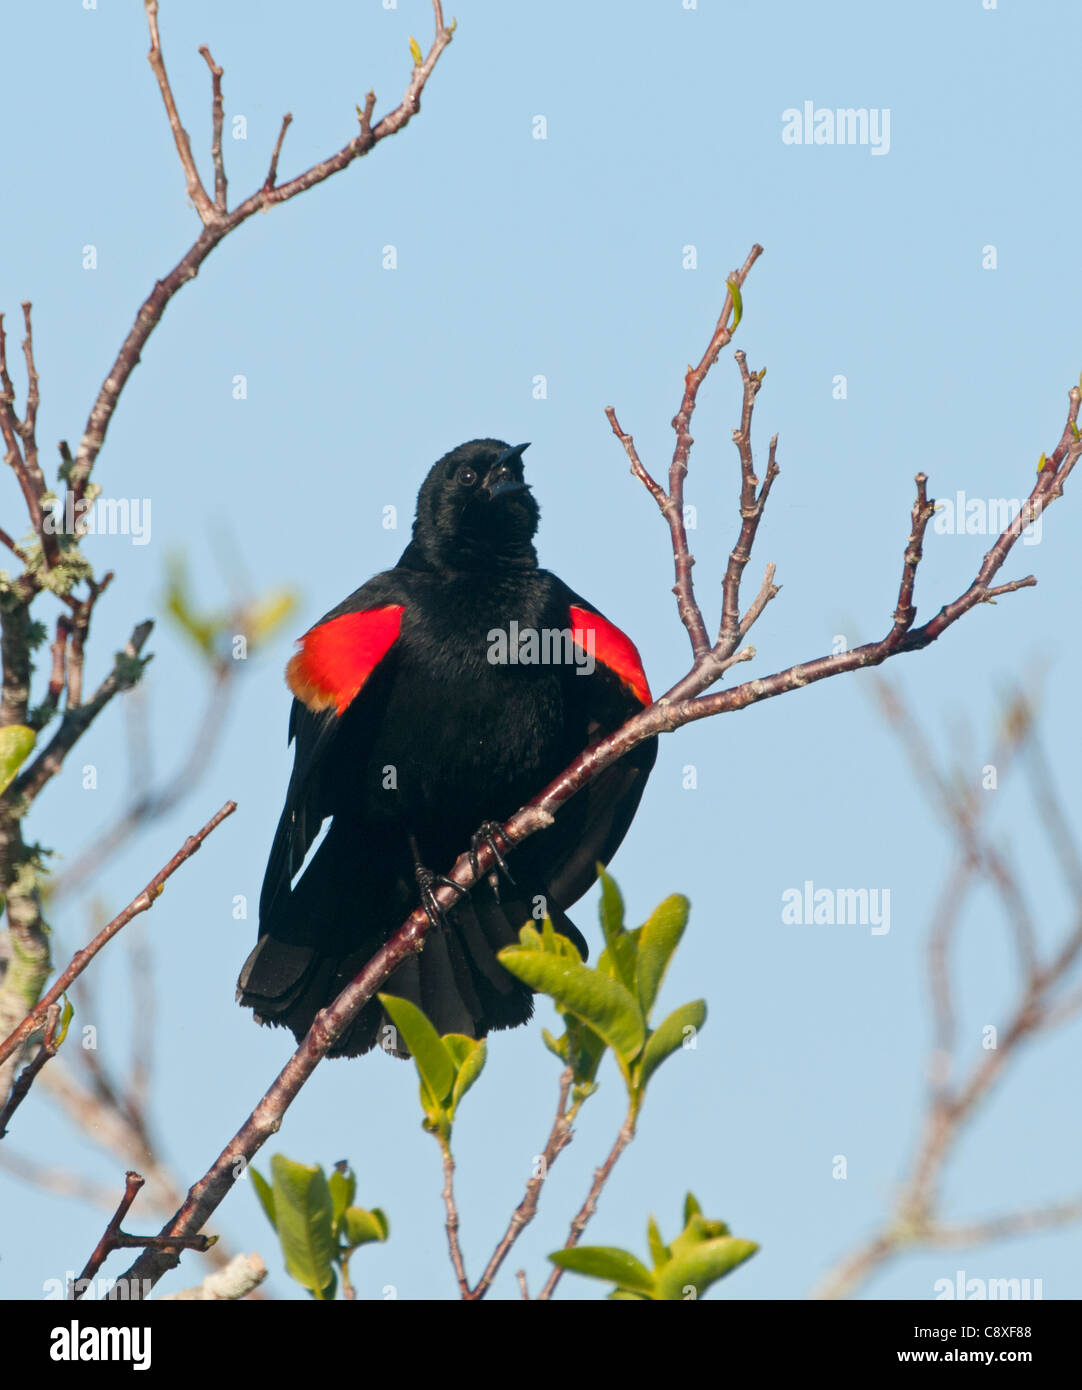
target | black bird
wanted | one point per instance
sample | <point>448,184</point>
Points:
<point>438,698</point>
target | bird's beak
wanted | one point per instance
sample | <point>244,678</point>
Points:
<point>509,455</point>
<point>507,483</point>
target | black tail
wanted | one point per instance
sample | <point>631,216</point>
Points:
<point>311,947</point>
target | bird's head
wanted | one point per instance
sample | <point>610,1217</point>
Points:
<point>475,511</point>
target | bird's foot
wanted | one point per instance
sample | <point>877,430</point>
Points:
<point>487,835</point>
<point>427,883</point>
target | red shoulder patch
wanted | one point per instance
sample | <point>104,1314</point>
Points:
<point>336,658</point>
<point>613,649</point>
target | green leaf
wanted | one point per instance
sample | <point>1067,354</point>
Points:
<point>668,1037</point>
<point>547,940</point>
<point>658,939</point>
<point>619,954</point>
<point>585,1050</point>
<point>265,616</point>
<point>738,303</point>
<point>67,1013</point>
<point>697,1231</point>
<point>557,1046</point>
<point>264,1193</point>
<point>691,1208</point>
<point>605,1004</point>
<point>343,1186</point>
<point>612,904</point>
<point>361,1227</point>
<point>468,1056</point>
<point>659,1251</point>
<point>305,1211</point>
<point>16,741</point>
<point>431,1057</point>
<point>415,52</point>
<point>703,1266</point>
<point>203,630</point>
<point>606,1262</point>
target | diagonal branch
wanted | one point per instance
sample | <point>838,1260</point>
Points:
<point>27,1077</point>
<point>142,902</point>
<point>681,704</point>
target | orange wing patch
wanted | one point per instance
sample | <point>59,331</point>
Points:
<point>613,649</point>
<point>336,658</point>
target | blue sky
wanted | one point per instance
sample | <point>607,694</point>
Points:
<point>564,258</point>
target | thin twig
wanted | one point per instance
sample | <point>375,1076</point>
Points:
<point>586,1211</point>
<point>558,1139</point>
<point>142,902</point>
<point>217,117</point>
<point>114,1238</point>
<point>29,1073</point>
<point>196,192</point>
<point>272,174</point>
<point>218,224</point>
<point>451,1222</point>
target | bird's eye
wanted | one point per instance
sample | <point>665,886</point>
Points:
<point>467,477</point>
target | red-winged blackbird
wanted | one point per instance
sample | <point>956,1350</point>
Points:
<point>440,696</point>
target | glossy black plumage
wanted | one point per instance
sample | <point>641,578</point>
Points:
<point>438,739</point>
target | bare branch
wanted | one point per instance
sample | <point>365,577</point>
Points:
<point>671,503</point>
<point>558,1139</point>
<point>114,1238</point>
<point>217,116</point>
<point>586,1211</point>
<point>16,550</point>
<point>20,440</point>
<point>196,192</point>
<point>140,903</point>
<point>451,1223</point>
<point>1001,1227</point>
<point>272,174</point>
<point>915,1221</point>
<point>218,224</point>
<point>45,1052</point>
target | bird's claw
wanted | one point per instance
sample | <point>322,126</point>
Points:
<point>487,835</point>
<point>427,883</point>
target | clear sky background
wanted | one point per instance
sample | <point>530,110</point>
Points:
<point>518,257</point>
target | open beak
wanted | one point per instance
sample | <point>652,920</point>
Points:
<point>504,481</point>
